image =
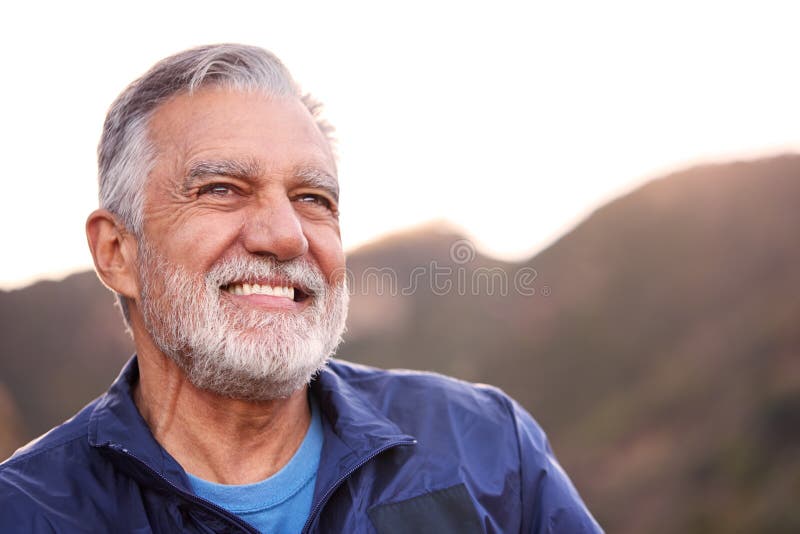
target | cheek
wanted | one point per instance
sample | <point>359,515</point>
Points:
<point>203,240</point>
<point>325,247</point>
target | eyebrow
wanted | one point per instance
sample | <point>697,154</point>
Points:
<point>250,170</point>
<point>318,179</point>
<point>242,169</point>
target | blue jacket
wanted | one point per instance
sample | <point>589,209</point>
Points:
<point>403,452</point>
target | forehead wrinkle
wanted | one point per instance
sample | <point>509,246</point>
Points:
<point>318,179</point>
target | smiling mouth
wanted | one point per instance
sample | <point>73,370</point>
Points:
<point>286,291</point>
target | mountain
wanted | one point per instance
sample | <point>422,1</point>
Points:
<point>63,342</point>
<point>657,343</point>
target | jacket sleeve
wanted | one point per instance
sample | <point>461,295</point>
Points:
<point>549,500</point>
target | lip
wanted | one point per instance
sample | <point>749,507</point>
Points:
<point>271,281</point>
<point>274,282</point>
<point>268,302</point>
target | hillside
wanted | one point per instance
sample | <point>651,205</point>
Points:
<point>657,342</point>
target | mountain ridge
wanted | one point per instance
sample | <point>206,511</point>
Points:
<point>656,341</point>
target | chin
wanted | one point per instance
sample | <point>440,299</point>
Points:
<point>255,367</point>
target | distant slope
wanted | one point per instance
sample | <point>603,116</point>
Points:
<point>661,350</point>
<point>63,342</point>
<point>658,343</point>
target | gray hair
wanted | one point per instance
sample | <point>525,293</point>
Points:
<point>125,154</point>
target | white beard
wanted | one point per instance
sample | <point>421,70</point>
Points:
<point>233,351</point>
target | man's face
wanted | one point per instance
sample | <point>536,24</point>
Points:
<point>241,264</point>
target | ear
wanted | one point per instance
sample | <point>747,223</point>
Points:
<point>114,252</point>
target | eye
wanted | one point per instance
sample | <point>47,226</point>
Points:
<point>217,189</point>
<point>311,198</point>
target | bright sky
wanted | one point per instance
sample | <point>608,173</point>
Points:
<point>511,119</point>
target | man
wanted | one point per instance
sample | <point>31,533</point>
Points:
<point>218,230</point>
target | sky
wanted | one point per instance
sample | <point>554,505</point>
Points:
<point>511,120</point>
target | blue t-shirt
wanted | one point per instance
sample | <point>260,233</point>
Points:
<point>281,503</point>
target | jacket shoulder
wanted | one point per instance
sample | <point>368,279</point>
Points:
<point>376,383</point>
<point>70,430</point>
<point>486,431</point>
<point>42,472</point>
<point>433,408</point>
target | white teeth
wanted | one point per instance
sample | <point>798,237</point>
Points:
<point>262,289</point>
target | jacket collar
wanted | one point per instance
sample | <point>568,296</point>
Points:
<point>357,422</point>
<point>116,424</point>
<point>354,429</point>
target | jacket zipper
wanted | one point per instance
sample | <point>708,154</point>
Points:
<point>193,498</point>
<point>333,487</point>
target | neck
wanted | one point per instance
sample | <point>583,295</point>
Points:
<point>219,439</point>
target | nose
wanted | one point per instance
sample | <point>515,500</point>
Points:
<point>273,228</point>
